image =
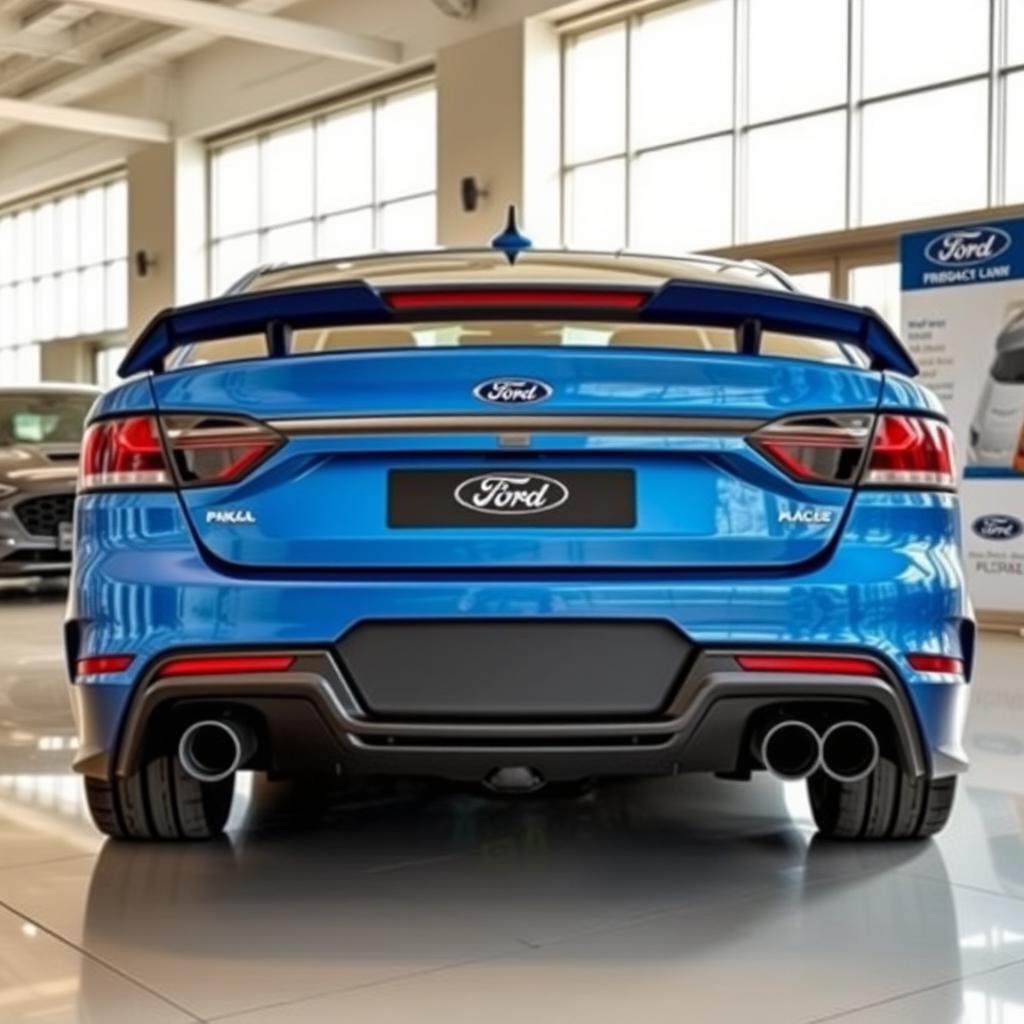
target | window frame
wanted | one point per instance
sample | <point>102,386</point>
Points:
<point>995,76</point>
<point>16,353</point>
<point>375,100</point>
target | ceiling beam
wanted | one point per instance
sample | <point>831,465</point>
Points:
<point>264,29</point>
<point>92,122</point>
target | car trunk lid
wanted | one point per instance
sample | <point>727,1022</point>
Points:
<point>633,460</point>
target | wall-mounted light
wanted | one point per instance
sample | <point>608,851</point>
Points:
<point>144,262</point>
<point>472,192</point>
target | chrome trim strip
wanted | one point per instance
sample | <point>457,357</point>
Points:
<point>483,423</point>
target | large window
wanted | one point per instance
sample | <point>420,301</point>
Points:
<point>63,274</point>
<point>715,123</point>
<point>347,182</point>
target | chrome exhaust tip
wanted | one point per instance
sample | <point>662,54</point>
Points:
<point>211,749</point>
<point>849,751</point>
<point>514,779</point>
<point>791,750</point>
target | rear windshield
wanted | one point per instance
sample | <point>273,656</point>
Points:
<point>1009,366</point>
<point>504,333</point>
<point>43,418</point>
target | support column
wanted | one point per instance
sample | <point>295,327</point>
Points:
<point>499,121</point>
<point>166,222</point>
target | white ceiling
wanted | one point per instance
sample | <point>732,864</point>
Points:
<point>84,84</point>
<point>55,53</point>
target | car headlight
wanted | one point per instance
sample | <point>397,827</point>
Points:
<point>6,489</point>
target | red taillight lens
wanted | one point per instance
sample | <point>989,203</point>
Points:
<point>817,449</point>
<point>127,453</point>
<point>102,664</point>
<point>492,298</point>
<point>123,453</point>
<point>911,451</point>
<point>803,663</point>
<point>220,665</point>
<point>217,450</point>
<point>936,663</point>
<point>907,451</point>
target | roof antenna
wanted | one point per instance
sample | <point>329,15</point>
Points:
<point>510,241</point>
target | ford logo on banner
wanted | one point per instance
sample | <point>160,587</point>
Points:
<point>967,247</point>
<point>995,527</point>
<point>511,494</point>
<point>512,391</point>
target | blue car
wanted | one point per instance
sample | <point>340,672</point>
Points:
<point>518,519</point>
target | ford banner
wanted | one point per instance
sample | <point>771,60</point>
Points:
<point>963,320</point>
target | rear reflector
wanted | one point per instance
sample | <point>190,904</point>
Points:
<point>102,664</point>
<point>475,298</point>
<point>818,664</point>
<point>226,665</point>
<point>936,663</point>
<point>123,453</point>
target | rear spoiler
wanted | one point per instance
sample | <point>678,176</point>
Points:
<point>749,310</point>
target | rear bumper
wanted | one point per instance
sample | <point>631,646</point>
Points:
<point>893,586</point>
<point>312,719</point>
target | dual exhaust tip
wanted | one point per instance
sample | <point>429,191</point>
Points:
<point>214,748</point>
<point>846,751</point>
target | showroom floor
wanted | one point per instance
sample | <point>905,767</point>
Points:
<point>674,900</point>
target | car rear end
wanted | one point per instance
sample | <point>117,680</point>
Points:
<point>510,536</point>
<point>40,436</point>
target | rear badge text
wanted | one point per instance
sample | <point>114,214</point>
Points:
<point>807,516</point>
<point>230,516</point>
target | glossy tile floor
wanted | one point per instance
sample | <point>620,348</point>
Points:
<point>675,900</point>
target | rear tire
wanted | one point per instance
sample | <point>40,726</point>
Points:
<point>160,801</point>
<point>887,804</point>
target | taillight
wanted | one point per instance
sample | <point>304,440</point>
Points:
<point>123,453</point>
<point>217,449</point>
<point>508,298</point>
<point>128,453</point>
<point>911,451</point>
<point>819,449</point>
<point>905,451</point>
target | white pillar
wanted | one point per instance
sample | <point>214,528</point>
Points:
<point>166,222</point>
<point>499,121</point>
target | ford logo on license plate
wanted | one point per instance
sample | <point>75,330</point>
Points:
<point>511,494</point>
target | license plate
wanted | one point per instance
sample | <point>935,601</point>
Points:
<point>65,536</point>
<point>512,498</point>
